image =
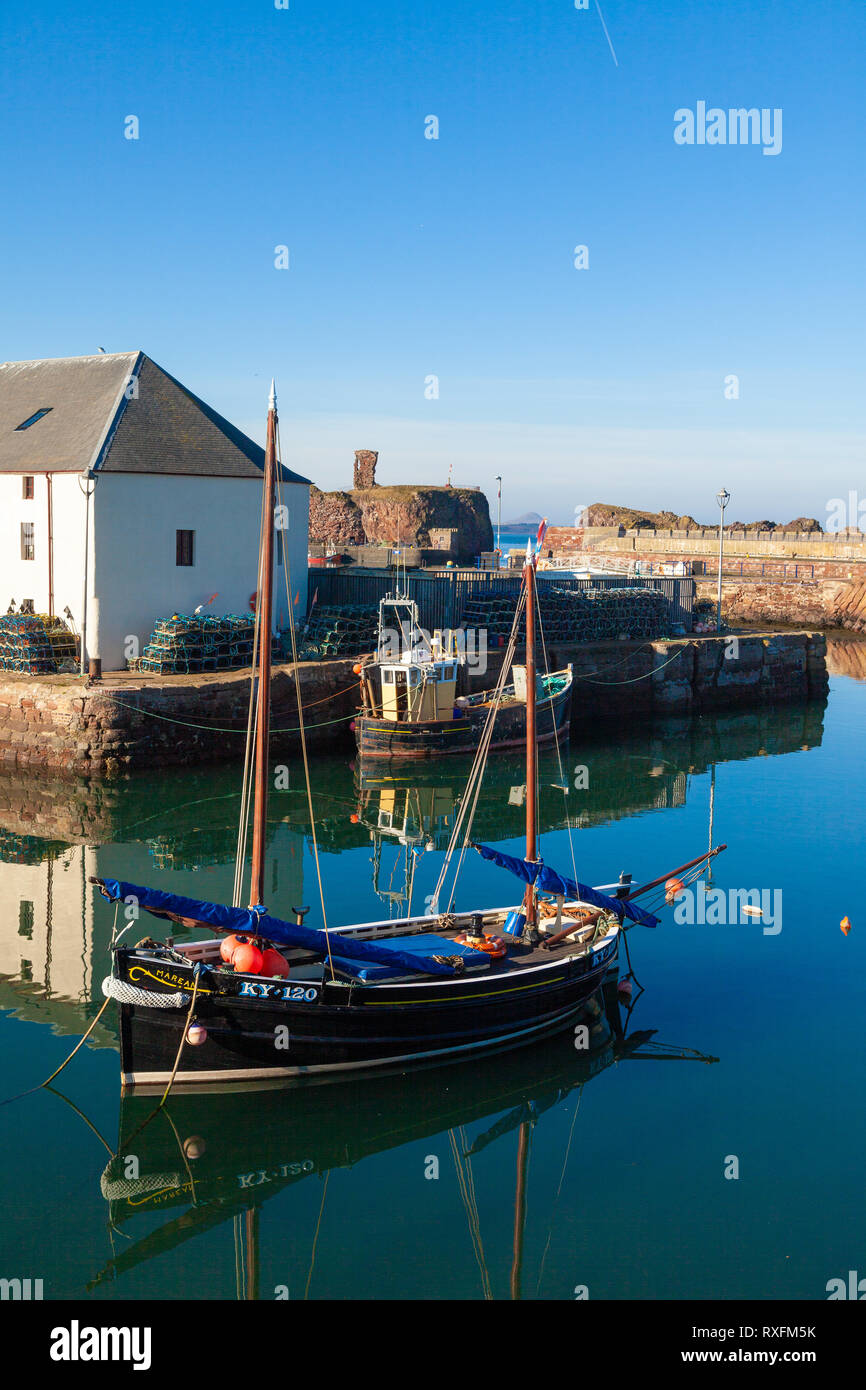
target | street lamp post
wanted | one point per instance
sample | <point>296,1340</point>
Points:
<point>499,524</point>
<point>723,498</point>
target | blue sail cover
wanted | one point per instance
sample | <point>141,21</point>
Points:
<point>549,881</point>
<point>243,919</point>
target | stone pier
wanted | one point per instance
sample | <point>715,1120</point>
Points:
<point>128,722</point>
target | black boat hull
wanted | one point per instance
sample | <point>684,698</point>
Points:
<point>255,1033</point>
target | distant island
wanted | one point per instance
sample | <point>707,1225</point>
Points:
<point>530,521</point>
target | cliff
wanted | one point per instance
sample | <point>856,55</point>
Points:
<point>406,514</point>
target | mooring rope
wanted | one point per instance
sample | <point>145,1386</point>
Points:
<point>216,729</point>
<point>30,1091</point>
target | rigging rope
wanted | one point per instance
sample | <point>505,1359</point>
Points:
<point>556,740</point>
<point>466,1187</point>
<point>473,785</point>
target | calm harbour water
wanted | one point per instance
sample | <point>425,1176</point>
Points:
<point>330,1191</point>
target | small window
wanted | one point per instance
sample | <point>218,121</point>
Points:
<point>185,548</point>
<point>31,420</point>
<point>25,918</point>
<point>28,540</point>
<point>27,488</point>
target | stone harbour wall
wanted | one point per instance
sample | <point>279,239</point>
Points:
<point>57,724</point>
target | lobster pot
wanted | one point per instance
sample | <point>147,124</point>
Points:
<point>190,645</point>
<point>339,630</point>
<point>575,615</point>
<point>36,644</point>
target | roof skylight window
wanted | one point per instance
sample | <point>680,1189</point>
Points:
<point>25,425</point>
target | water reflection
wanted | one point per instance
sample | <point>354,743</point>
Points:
<point>206,1160</point>
<point>846,656</point>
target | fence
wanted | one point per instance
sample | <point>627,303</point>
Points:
<point>442,598</point>
<point>791,570</point>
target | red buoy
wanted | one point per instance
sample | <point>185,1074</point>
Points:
<point>274,963</point>
<point>672,887</point>
<point>229,945</point>
<point>247,959</point>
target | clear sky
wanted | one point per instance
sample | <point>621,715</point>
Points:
<point>411,257</point>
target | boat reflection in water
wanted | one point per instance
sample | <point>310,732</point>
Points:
<point>207,1159</point>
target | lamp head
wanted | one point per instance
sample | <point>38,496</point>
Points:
<point>723,498</point>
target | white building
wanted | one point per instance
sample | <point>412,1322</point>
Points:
<point>124,498</point>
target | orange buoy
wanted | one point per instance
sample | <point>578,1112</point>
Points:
<point>247,959</point>
<point>357,668</point>
<point>672,887</point>
<point>229,945</point>
<point>274,963</point>
<point>845,926</point>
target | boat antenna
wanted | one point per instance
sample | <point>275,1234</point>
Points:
<point>264,623</point>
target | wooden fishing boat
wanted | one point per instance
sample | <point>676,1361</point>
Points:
<point>410,705</point>
<point>282,1000</point>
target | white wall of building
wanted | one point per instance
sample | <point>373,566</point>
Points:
<point>132,549</point>
<point>47,926</point>
<point>28,579</point>
<point>136,578</point>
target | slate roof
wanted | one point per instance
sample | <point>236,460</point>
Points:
<point>95,421</point>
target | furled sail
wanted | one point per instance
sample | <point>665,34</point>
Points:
<point>253,923</point>
<point>549,881</point>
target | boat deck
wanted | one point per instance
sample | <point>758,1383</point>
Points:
<point>306,967</point>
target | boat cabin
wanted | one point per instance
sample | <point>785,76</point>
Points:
<point>417,672</point>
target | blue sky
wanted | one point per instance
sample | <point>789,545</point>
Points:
<point>453,257</point>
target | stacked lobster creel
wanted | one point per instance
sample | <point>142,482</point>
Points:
<point>339,630</point>
<point>192,644</point>
<point>575,615</point>
<point>36,644</point>
<point>252,955</point>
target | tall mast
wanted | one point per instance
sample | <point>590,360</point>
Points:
<point>264,612</point>
<point>529,905</point>
<point>519,1209</point>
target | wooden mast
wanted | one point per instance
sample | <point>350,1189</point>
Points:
<point>519,1209</point>
<point>529,903</point>
<point>264,612</point>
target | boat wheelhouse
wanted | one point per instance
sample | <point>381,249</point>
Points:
<point>410,705</point>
